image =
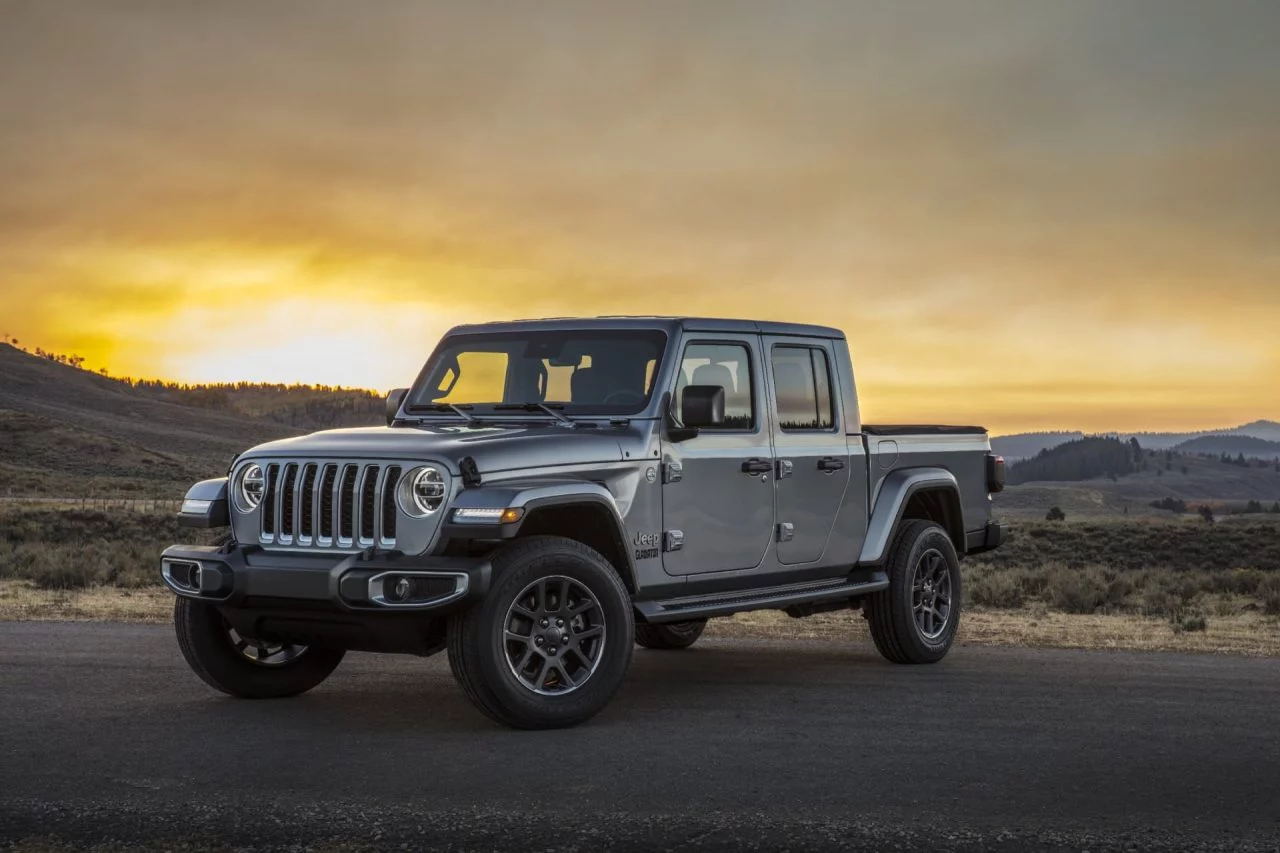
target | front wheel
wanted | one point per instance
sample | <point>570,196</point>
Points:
<point>245,667</point>
<point>551,642</point>
<point>916,618</point>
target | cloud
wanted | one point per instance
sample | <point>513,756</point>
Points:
<point>1029,190</point>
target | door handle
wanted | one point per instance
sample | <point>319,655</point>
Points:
<point>830,463</point>
<point>757,466</point>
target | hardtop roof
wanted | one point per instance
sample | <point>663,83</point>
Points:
<point>668,324</point>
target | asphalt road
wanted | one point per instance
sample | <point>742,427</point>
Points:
<point>106,736</point>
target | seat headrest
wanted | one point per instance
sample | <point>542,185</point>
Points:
<point>586,386</point>
<point>714,374</point>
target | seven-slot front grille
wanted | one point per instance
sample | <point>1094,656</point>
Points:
<point>330,504</point>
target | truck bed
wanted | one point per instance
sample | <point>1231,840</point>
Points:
<point>921,429</point>
<point>895,450</point>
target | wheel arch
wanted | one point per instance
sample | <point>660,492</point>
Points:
<point>584,512</point>
<point>589,520</point>
<point>929,494</point>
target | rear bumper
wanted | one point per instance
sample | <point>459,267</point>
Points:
<point>988,538</point>
<point>240,576</point>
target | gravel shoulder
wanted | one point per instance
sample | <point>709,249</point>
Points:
<point>1249,634</point>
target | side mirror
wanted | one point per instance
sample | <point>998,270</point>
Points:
<point>394,399</point>
<point>702,406</point>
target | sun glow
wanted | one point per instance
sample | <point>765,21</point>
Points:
<point>229,313</point>
<point>217,316</point>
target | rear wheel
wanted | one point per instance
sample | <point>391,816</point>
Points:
<point>550,644</point>
<point>671,635</point>
<point>916,618</point>
<point>242,666</point>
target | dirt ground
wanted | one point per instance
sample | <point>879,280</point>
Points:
<point>1248,634</point>
<point>1238,634</point>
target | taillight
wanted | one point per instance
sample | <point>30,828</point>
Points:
<point>995,473</point>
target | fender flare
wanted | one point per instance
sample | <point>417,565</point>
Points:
<point>205,505</point>
<point>894,493</point>
<point>534,496</point>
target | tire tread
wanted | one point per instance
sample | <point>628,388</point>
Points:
<point>892,631</point>
<point>465,635</point>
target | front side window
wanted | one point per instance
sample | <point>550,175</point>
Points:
<point>601,372</point>
<point>802,388</point>
<point>727,365</point>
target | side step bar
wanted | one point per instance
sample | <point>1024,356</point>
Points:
<point>859,583</point>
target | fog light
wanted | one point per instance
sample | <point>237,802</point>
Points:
<point>401,589</point>
<point>193,577</point>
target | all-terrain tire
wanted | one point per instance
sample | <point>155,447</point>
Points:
<point>479,645</point>
<point>672,635</point>
<point>891,613</point>
<point>208,648</point>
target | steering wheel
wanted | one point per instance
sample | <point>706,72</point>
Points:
<point>623,396</point>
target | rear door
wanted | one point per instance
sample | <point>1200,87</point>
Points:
<point>717,494</point>
<point>810,448</point>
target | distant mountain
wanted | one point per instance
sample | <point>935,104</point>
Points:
<point>1027,444</point>
<point>1232,445</point>
<point>1266,430</point>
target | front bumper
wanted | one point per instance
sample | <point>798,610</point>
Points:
<point>239,576</point>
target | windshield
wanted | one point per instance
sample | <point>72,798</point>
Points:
<point>599,372</point>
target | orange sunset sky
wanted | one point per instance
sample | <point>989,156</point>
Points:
<point>1024,214</point>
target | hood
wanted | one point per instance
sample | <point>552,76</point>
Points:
<point>494,448</point>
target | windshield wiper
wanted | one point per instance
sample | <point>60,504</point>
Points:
<point>460,411</point>
<point>538,407</point>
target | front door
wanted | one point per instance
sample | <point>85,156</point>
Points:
<point>717,494</point>
<point>813,463</point>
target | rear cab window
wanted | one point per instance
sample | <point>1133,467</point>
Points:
<point>802,388</point>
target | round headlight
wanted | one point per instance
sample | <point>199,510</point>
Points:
<point>421,491</point>
<point>252,486</point>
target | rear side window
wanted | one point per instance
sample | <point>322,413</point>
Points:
<point>802,388</point>
<point>726,365</point>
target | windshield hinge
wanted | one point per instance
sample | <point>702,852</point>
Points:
<point>470,472</point>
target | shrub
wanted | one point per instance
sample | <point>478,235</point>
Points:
<point>1157,602</point>
<point>1236,582</point>
<point>1075,591</point>
<point>997,588</point>
<point>1189,624</point>
<point>73,549</point>
<point>1269,592</point>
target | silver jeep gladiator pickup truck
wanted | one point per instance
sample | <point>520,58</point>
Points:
<point>550,491</point>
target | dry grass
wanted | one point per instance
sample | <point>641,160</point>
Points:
<point>1247,633</point>
<point>23,600</point>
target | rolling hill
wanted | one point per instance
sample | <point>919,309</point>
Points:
<point>1080,459</point>
<point>68,432</point>
<point>1024,445</point>
<point>1232,445</point>
<point>1191,478</point>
